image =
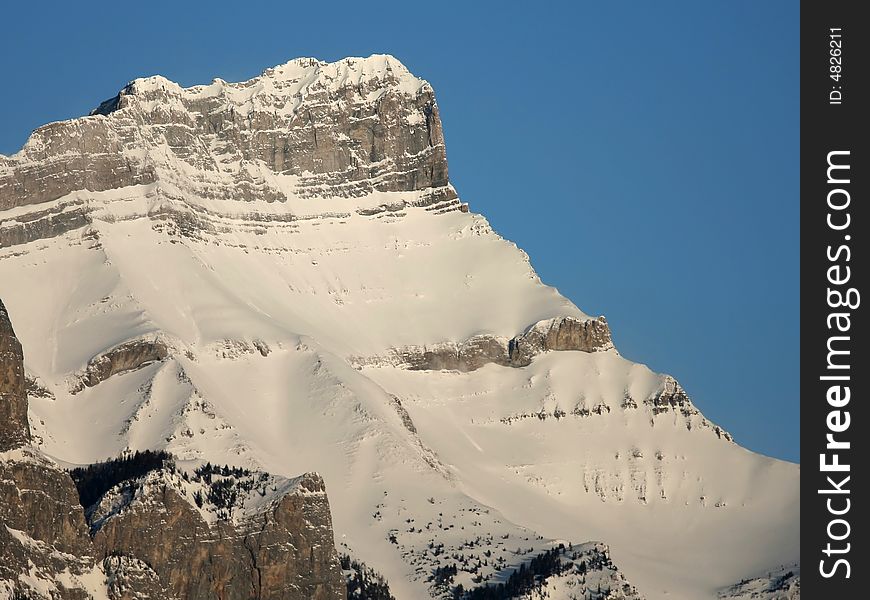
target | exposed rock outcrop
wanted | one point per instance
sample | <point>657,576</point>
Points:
<point>147,539</point>
<point>671,397</point>
<point>44,543</point>
<point>562,333</point>
<point>557,334</point>
<point>129,356</point>
<point>129,578</point>
<point>81,154</point>
<point>346,129</point>
<point>14,427</point>
<point>41,224</point>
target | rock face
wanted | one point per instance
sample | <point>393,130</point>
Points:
<point>129,578</point>
<point>148,538</point>
<point>14,428</point>
<point>44,543</point>
<point>280,550</point>
<point>129,356</point>
<point>40,224</point>
<point>343,129</point>
<point>558,334</point>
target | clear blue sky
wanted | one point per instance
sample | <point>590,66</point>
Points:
<point>644,154</point>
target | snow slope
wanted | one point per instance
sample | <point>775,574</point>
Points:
<point>279,314</point>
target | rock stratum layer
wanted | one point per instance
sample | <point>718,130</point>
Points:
<point>561,333</point>
<point>278,275</point>
<point>305,129</point>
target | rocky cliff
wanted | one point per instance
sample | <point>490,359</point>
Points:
<point>222,534</point>
<point>14,427</point>
<point>558,334</point>
<point>45,550</point>
<point>305,128</point>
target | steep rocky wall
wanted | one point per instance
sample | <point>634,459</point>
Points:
<point>344,129</point>
<point>81,154</point>
<point>129,356</point>
<point>14,427</point>
<point>42,528</point>
<point>563,333</point>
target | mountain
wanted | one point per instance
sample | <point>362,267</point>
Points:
<point>278,275</point>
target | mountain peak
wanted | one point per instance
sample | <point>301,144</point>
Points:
<point>277,86</point>
<point>14,428</point>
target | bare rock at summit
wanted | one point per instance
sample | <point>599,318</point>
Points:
<point>14,427</point>
<point>43,535</point>
<point>129,578</point>
<point>466,356</point>
<point>88,155</point>
<point>557,334</point>
<point>671,397</point>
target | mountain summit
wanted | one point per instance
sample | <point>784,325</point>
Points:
<point>278,275</point>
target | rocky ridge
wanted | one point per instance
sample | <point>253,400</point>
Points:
<point>557,334</point>
<point>281,548</point>
<point>14,426</point>
<point>348,129</point>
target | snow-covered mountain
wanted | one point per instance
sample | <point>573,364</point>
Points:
<point>277,274</point>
